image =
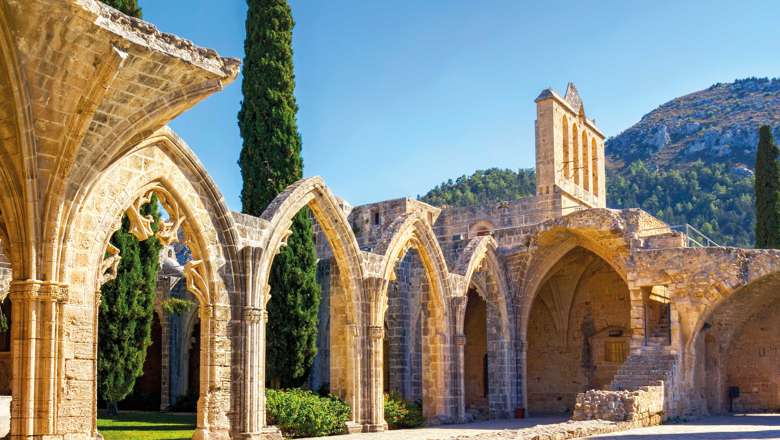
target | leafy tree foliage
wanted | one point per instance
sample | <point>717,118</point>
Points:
<point>129,7</point>
<point>713,198</point>
<point>484,186</point>
<point>270,161</point>
<point>127,312</point>
<point>767,191</point>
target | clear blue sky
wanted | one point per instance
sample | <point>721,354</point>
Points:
<point>396,97</point>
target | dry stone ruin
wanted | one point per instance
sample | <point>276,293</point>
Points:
<point>478,312</point>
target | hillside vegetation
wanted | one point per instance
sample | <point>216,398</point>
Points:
<point>484,186</point>
<point>716,200</point>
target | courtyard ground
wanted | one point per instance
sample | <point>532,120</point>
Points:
<point>736,427</point>
<point>139,425</point>
<point>451,431</point>
<point>167,426</point>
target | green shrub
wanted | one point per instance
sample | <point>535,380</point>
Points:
<point>402,414</point>
<point>300,413</point>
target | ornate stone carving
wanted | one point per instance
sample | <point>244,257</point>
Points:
<point>38,291</point>
<point>376,332</point>
<point>195,274</point>
<point>141,225</point>
<point>253,314</point>
<point>110,264</point>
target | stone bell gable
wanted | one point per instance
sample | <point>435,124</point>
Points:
<point>569,151</point>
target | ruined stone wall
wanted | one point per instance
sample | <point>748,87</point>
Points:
<point>753,362</point>
<point>460,223</point>
<point>644,406</point>
<point>369,222</point>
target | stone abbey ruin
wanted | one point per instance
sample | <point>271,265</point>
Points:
<point>477,312</point>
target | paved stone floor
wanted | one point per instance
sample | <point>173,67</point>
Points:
<point>737,427</point>
<point>451,431</point>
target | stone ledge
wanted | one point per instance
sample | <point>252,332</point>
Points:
<point>146,34</point>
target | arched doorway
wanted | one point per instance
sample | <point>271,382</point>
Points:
<point>577,331</point>
<point>475,357</point>
<point>403,368</point>
<point>736,351</point>
<point>412,240</point>
<point>339,368</point>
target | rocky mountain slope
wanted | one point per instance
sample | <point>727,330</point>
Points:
<point>718,124</point>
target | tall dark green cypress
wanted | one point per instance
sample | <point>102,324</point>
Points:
<point>129,7</point>
<point>270,161</point>
<point>767,191</point>
<point>127,312</point>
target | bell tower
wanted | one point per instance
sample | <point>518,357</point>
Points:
<point>569,151</point>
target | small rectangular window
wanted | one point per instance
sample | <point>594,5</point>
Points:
<point>615,351</point>
<point>376,218</point>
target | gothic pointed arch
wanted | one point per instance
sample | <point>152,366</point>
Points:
<point>407,231</point>
<point>279,214</point>
<point>482,270</point>
<point>196,208</point>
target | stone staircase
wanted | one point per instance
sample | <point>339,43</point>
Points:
<point>650,367</point>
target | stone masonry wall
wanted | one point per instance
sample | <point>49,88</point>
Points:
<point>645,405</point>
<point>753,362</point>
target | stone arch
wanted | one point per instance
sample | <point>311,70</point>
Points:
<point>594,157</point>
<point>719,356</point>
<point>585,161</point>
<point>480,228</point>
<point>577,297</point>
<point>566,149</point>
<point>539,267</point>
<point>577,154</point>
<point>169,171</point>
<point>18,171</point>
<point>414,230</point>
<point>313,193</point>
<point>480,257</point>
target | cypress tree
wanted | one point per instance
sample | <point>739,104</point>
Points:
<point>127,312</point>
<point>270,161</point>
<point>767,191</point>
<point>129,7</point>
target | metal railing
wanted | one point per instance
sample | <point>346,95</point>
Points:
<point>694,237</point>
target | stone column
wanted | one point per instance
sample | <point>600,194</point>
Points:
<point>354,364</point>
<point>254,421</point>
<point>638,319</point>
<point>458,308</point>
<point>376,386</point>
<point>35,357</point>
<point>522,373</point>
<point>460,383</point>
<point>254,319</point>
<point>372,380</point>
